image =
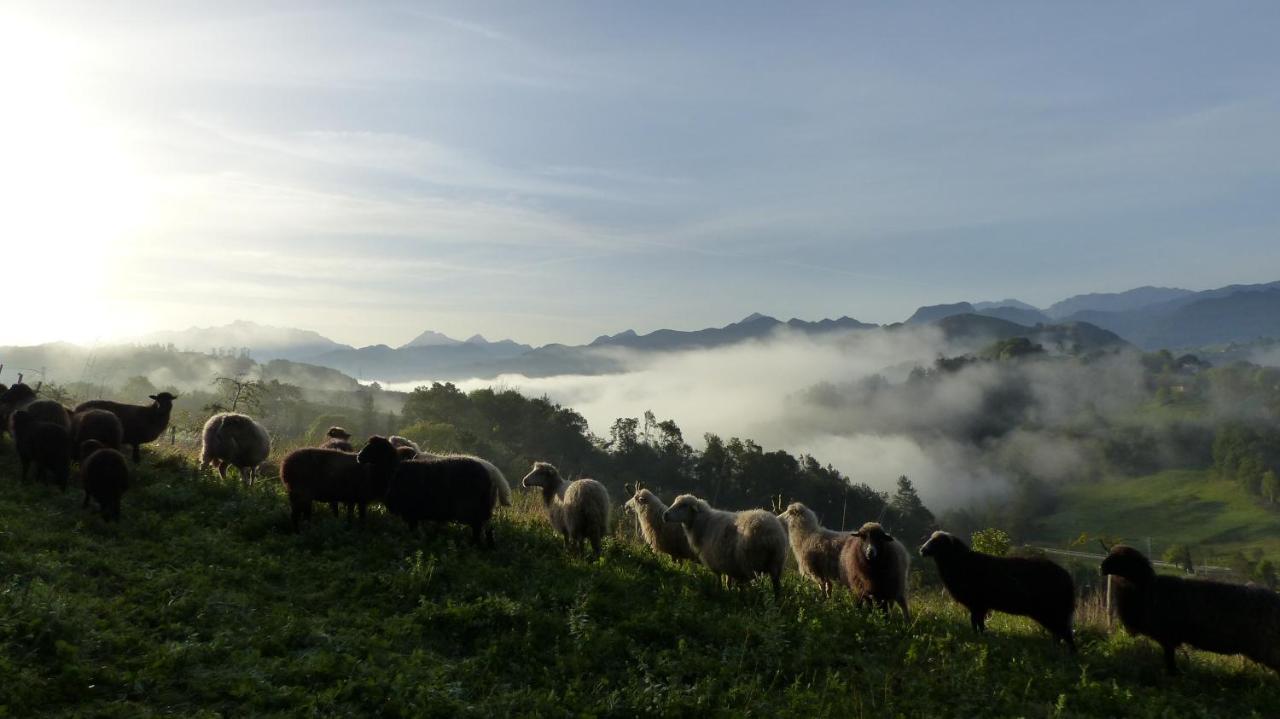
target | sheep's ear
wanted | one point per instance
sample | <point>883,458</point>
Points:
<point>152,396</point>
<point>888,537</point>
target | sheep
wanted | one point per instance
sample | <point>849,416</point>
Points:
<point>450,489</point>
<point>398,441</point>
<point>816,549</point>
<point>98,425</point>
<point>1213,616</point>
<point>337,438</point>
<point>13,399</point>
<point>142,423</point>
<point>316,474</point>
<point>874,565</point>
<point>1028,586</point>
<point>661,537</point>
<point>502,489</point>
<point>234,440</point>
<point>104,474</point>
<point>578,510</point>
<point>47,410</point>
<point>46,444</point>
<point>737,545</point>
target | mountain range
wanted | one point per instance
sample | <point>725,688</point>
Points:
<point>1148,317</point>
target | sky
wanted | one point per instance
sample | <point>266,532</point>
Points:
<point>555,171</point>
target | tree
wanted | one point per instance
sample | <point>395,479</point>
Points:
<point>1180,554</point>
<point>992,541</point>
<point>624,435</point>
<point>910,517</point>
<point>1271,486</point>
<point>136,388</point>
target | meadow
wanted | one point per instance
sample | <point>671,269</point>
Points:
<point>202,603</point>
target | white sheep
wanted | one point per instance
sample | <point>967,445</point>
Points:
<point>737,545</point>
<point>578,510</point>
<point>234,440</point>
<point>662,537</point>
<point>817,549</point>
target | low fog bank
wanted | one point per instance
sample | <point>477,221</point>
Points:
<point>810,395</point>
<point>879,404</point>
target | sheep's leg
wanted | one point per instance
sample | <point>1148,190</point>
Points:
<point>978,620</point>
<point>488,533</point>
<point>1170,663</point>
<point>137,454</point>
<point>595,547</point>
<point>222,470</point>
<point>26,463</point>
<point>476,534</point>
<point>333,507</point>
<point>776,579</point>
<point>363,508</point>
<point>299,511</point>
<point>86,500</point>
<point>906,611</point>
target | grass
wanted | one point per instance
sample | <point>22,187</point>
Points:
<point>1176,506</point>
<point>201,603</point>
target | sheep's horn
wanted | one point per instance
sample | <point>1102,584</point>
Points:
<point>628,488</point>
<point>39,385</point>
<point>1105,548</point>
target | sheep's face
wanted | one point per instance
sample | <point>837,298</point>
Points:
<point>542,475</point>
<point>377,451</point>
<point>164,400</point>
<point>942,544</point>
<point>642,501</point>
<point>799,516</point>
<point>684,509</point>
<point>1127,563</point>
<point>338,433</point>
<point>874,538</point>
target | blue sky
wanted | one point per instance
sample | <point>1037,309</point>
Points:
<point>554,171</point>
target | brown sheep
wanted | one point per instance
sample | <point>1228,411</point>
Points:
<point>315,474</point>
<point>104,474</point>
<point>337,438</point>
<point>98,425</point>
<point>874,565</point>
<point>47,445</point>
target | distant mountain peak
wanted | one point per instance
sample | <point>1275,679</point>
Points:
<point>753,317</point>
<point>477,339</point>
<point>431,338</point>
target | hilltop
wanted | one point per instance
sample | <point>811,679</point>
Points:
<point>201,601</point>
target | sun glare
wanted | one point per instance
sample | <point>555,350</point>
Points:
<point>71,196</point>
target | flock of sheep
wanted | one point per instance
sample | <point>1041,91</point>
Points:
<point>738,546</point>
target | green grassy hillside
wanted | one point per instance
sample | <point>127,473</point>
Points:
<point>201,603</point>
<point>1178,506</point>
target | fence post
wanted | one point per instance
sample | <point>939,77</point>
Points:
<point>1109,614</point>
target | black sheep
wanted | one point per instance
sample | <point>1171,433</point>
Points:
<point>13,399</point>
<point>1213,616</point>
<point>1027,586</point>
<point>142,423</point>
<point>98,425</point>
<point>104,474</point>
<point>45,444</point>
<point>450,489</point>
